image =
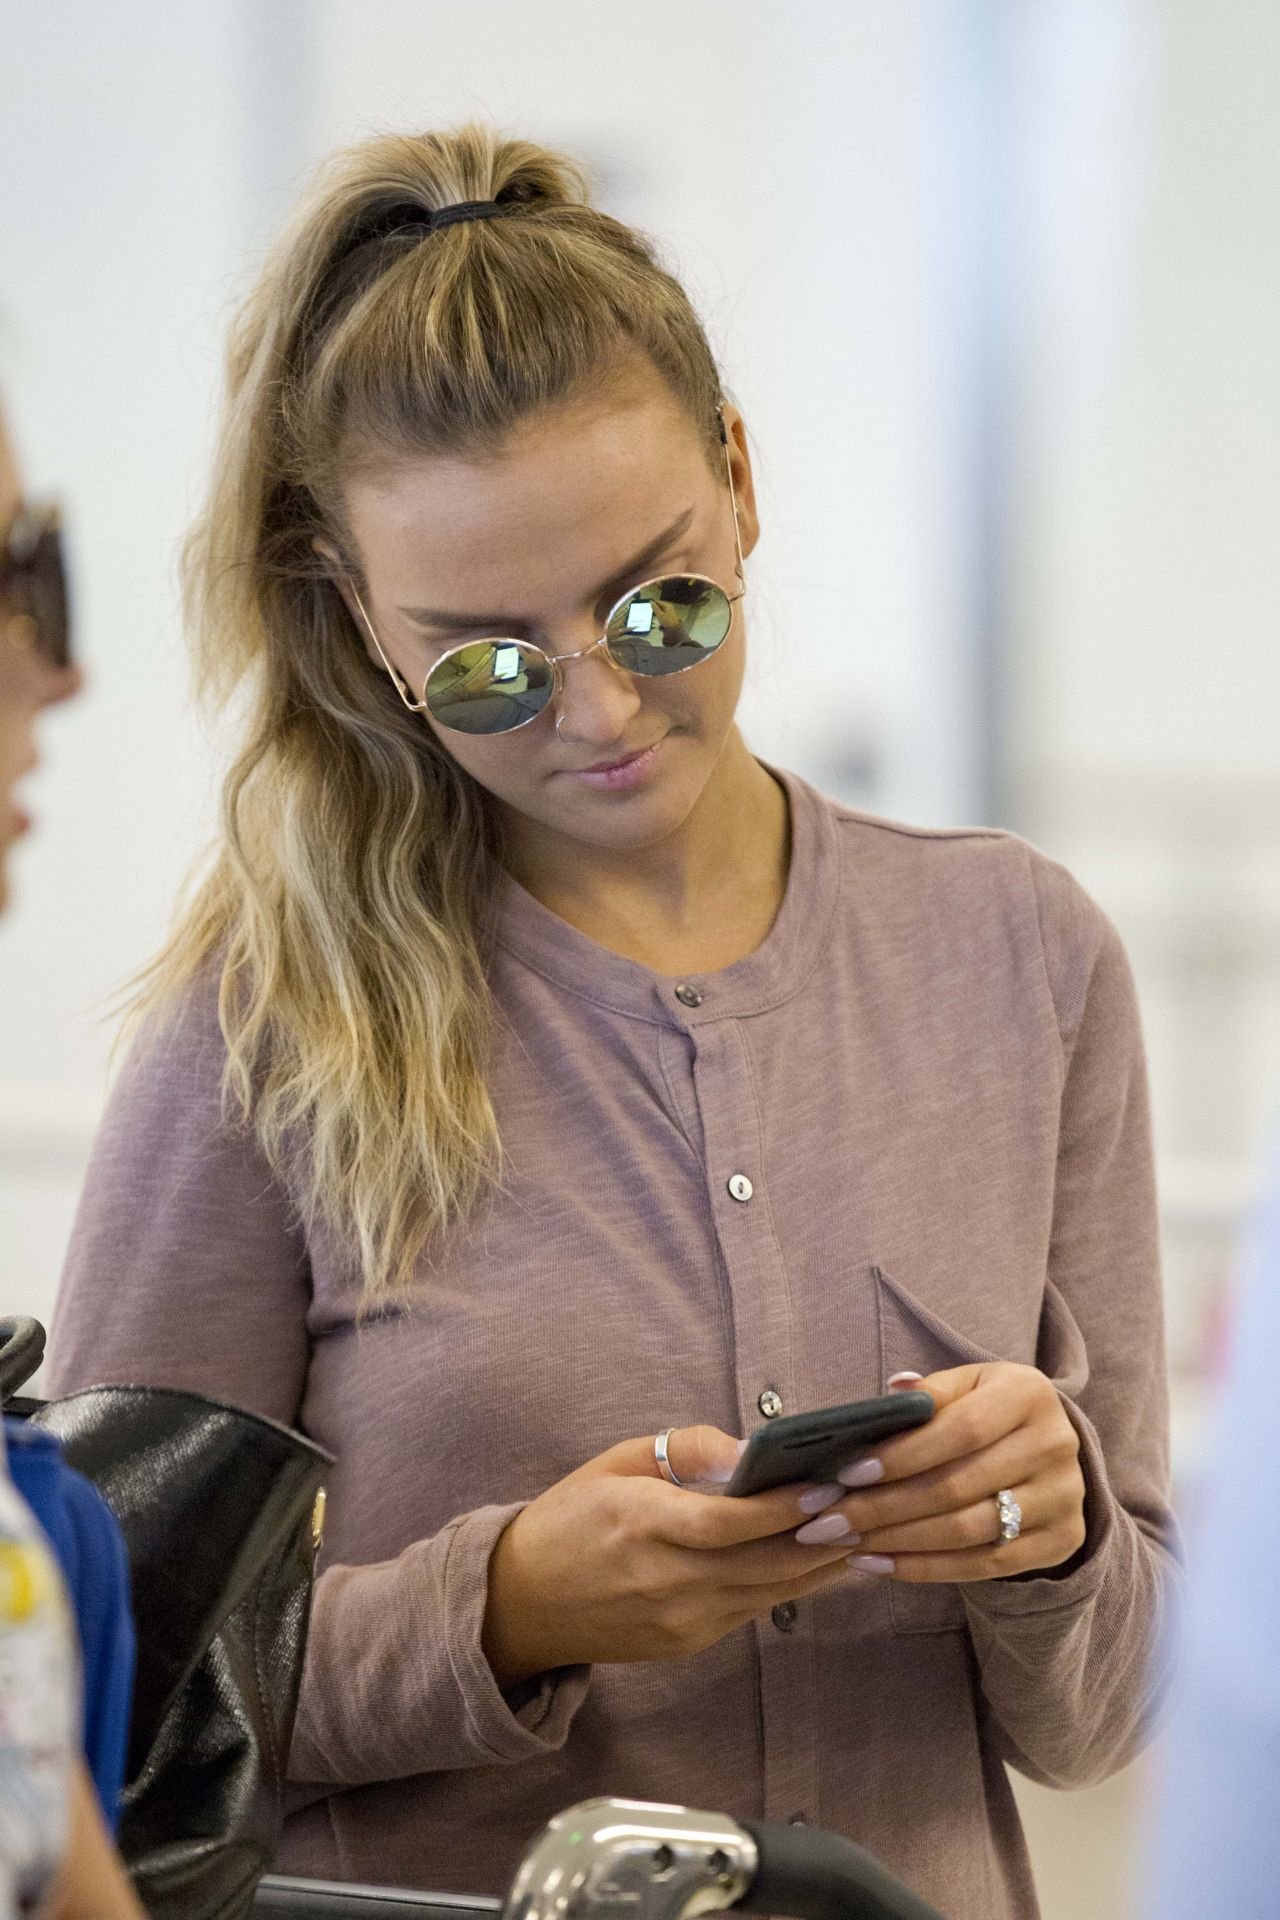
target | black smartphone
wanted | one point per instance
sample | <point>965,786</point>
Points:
<point>814,1446</point>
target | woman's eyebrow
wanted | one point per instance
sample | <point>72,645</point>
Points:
<point>503,622</point>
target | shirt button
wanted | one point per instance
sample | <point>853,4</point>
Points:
<point>784,1616</point>
<point>740,1187</point>
<point>770,1403</point>
<point>688,996</point>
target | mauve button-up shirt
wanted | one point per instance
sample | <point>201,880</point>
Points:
<point>909,1131</point>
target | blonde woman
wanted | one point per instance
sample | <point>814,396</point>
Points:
<point>534,1071</point>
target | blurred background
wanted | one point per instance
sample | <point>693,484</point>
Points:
<point>997,284</point>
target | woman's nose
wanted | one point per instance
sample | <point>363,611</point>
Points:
<point>596,700</point>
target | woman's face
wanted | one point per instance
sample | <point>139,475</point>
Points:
<point>27,684</point>
<point>537,544</point>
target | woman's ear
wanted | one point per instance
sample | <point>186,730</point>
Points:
<point>744,488</point>
<point>340,575</point>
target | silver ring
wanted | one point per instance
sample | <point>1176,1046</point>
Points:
<point>665,1467</point>
<point>1010,1515</point>
<point>559,718</point>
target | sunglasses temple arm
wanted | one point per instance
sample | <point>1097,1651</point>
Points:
<point>413,705</point>
<point>733,502</point>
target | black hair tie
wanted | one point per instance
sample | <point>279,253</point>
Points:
<point>356,264</point>
<point>410,216</point>
<point>472,210</point>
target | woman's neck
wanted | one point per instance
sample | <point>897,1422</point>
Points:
<point>694,902</point>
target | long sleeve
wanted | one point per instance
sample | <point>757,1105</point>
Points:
<point>396,1682</point>
<point>187,1268</point>
<point>1065,1661</point>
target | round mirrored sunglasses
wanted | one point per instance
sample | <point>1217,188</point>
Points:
<point>664,626</point>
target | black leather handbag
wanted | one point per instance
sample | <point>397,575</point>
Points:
<point>221,1513</point>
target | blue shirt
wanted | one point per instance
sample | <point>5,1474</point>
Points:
<point>1217,1839</point>
<point>86,1538</point>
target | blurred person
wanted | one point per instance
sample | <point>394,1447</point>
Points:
<point>33,676</point>
<point>535,1069</point>
<point>1216,1847</point>
<point>53,1837</point>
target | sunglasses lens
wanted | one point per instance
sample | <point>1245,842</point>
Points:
<point>668,625</point>
<point>490,687</point>
<point>38,583</point>
<point>49,599</point>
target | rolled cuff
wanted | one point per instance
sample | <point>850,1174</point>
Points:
<point>540,1722</point>
<point>396,1682</point>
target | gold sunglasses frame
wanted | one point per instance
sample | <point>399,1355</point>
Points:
<point>558,661</point>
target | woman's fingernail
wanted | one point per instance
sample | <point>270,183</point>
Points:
<point>819,1533</point>
<point>717,1476</point>
<point>871,1562</point>
<point>904,1379</point>
<point>819,1497</point>
<point>862,1473</point>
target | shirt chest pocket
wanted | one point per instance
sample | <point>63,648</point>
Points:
<point>913,1337</point>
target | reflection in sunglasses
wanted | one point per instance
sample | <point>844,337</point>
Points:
<point>508,663</point>
<point>639,617</point>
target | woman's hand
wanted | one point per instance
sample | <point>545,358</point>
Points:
<point>614,1563</point>
<point>925,1509</point>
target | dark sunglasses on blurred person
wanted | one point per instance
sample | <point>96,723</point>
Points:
<point>35,615</point>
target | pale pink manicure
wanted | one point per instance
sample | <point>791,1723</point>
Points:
<point>871,1562</point>
<point>819,1497</point>
<point>862,1473</point>
<point>904,1379</point>
<point>819,1533</point>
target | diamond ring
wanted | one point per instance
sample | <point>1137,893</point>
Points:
<point>1010,1515</point>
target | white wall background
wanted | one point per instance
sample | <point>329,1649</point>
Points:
<point>1144,579</point>
<point>121,223</point>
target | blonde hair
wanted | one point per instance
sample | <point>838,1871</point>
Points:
<point>345,912</point>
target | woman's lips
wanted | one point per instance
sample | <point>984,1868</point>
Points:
<point>618,775</point>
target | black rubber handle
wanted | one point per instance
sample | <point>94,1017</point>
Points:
<point>808,1874</point>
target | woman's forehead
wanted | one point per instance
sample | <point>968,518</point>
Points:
<point>580,489</point>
